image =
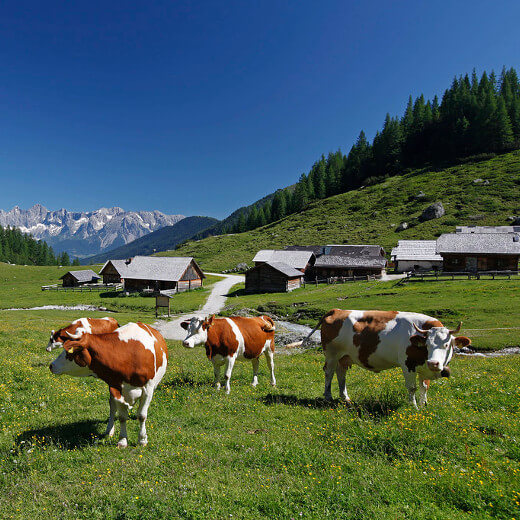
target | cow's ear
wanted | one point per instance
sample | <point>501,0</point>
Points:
<point>418,341</point>
<point>462,341</point>
<point>210,319</point>
<point>185,325</point>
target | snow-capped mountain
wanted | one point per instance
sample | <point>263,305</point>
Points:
<point>86,233</point>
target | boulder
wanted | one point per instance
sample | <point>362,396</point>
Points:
<point>421,195</point>
<point>436,210</point>
<point>402,226</point>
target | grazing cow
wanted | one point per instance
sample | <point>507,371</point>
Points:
<point>229,339</point>
<point>81,326</point>
<point>132,360</point>
<point>379,340</point>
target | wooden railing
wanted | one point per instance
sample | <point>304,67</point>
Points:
<point>447,275</point>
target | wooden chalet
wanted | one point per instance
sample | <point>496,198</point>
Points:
<point>78,278</point>
<point>474,252</point>
<point>155,273</point>
<point>273,277</point>
<point>416,255</point>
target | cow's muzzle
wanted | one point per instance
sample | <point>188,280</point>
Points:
<point>434,366</point>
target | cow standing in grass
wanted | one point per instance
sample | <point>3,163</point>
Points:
<point>132,360</point>
<point>229,339</point>
<point>379,340</point>
<point>81,326</point>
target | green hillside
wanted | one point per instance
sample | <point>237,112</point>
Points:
<point>371,214</point>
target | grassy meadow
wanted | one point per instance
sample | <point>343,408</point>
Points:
<point>371,215</point>
<point>266,452</point>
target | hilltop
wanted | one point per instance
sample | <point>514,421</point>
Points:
<point>371,214</point>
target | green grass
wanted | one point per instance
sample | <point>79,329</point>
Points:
<point>258,453</point>
<point>267,452</point>
<point>372,214</point>
<point>480,304</point>
<point>20,287</point>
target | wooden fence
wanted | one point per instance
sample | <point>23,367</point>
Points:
<point>443,276</point>
<point>85,288</point>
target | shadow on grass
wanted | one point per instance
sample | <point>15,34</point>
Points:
<point>381,406</point>
<point>184,381</point>
<point>237,292</point>
<point>63,436</point>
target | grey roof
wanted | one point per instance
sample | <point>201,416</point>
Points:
<point>296,259</point>
<point>487,229</point>
<point>350,261</point>
<point>317,250</point>
<point>85,275</point>
<point>416,250</point>
<point>491,243</point>
<point>354,250</point>
<point>285,269</point>
<point>169,269</point>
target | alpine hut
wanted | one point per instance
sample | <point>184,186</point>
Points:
<point>77,278</point>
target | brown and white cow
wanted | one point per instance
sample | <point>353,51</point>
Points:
<point>132,360</point>
<point>229,339</point>
<point>379,340</point>
<point>81,326</point>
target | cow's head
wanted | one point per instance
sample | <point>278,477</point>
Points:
<point>440,342</point>
<point>74,360</point>
<point>55,340</point>
<point>197,329</point>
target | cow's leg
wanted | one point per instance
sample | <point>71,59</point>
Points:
<point>230,362</point>
<point>329,369</point>
<point>410,381</point>
<point>424,384</point>
<point>341,370</point>
<point>111,419</point>
<point>122,411</point>
<point>256,363</point>
<point>216,372</point>
<point>142,414</point>
<point>269,357</point>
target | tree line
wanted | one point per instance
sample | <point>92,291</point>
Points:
<point>475,116</point>
<point>19,248</point>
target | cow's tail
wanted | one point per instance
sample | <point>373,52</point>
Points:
<point>269,325</point>
<point>306,340</point>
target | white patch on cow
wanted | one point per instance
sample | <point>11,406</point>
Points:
<point>239,337</point>
<point>132,331</point>
<point>130,394</point>
<point>84,326</point>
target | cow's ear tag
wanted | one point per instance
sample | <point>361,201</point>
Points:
<point>71,350</point>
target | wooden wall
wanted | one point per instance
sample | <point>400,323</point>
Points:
<point>465,262</point>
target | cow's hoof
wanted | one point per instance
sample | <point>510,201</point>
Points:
<point>123,443</point>
<point>327,397</point>
<point>143,442</point>
<point>254,384</point>
<point>273,383</point>
<point>346,400</point>
<point>109,433</point>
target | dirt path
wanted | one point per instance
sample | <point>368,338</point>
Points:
<point>215,302</point>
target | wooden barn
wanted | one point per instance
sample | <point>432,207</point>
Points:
<point>474,252</point>
<point>416,255</point>
<point>77,278</point>
<point>156,273</point>
<point>273,277</point>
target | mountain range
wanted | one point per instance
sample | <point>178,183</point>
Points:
<point>84,234</point>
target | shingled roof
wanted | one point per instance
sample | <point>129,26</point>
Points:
<point>354,250</point>
<point>285,269</point>
<point>168,269</point>
<point>296,259</point>
<point>350,261</point>
<point>487,229</point>
<point>416,250</point>
<point>85,275</point>
<point>479,243</point>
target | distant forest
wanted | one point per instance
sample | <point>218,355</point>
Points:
<point>476,117</point>
<point>18,248</point>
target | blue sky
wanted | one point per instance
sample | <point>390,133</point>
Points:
<point>202,107</point>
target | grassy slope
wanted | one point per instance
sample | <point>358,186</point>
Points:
<point>20,287</point>
<point>371,215</point>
